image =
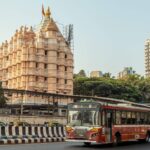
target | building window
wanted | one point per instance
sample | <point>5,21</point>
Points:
<point>45,66</point>
<point>45,53</point>
<point>65,55</point>
<point>36,79</point>
<point>38,51</point>
<point>58,54</point>
<point>65,81</point>
<point>37,65</point>
<point>57,80</point>
<point>57,67</point>
<point>45,79</point>
<point>65,68</point>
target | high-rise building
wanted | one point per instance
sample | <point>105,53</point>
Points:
<point>147,58</point>
<point>126,71</point>
<point>37,59</point>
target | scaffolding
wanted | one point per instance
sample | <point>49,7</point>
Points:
<point>52,105</point>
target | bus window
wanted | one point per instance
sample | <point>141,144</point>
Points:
<point>145,118</point>
<point>118,117</point>
<point>138,118</point>
<point>123,117</point>
<point>100,118</point>
<point>142,118</point>
<point>90,117</point>
<point>103,118</point>
<point>129,118</point>
<point>114,116</point>
<point>133,118</point>
<point>149,118</point>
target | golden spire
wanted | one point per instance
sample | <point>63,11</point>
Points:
<point>48,12</point>
<point>43,11</point>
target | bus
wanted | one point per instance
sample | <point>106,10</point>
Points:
<point>107,121</point>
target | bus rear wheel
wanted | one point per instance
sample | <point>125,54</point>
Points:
<point>147,138</point>
<point>87,143</point>
<point>117,140</point>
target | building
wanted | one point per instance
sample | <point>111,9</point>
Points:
<point>126,71</point>
<point>147,58</point>
<point>96,74</point>
<point>37,59</point>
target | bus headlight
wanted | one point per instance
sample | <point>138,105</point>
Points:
<point>69,129</point>
<point>94,135</point>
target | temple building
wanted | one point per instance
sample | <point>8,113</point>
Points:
<point>37,59</point>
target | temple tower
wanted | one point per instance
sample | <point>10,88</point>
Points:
<point>38,60</point>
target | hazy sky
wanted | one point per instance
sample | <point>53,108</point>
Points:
<point>108,34</point>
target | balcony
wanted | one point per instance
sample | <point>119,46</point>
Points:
<point>5,52</point>
<point>40,45</point>
<point>6,64</point>
<point>61,61</point>
<point>40,59</point>
<point>69,76</point>
<point>61,74</point>
<point>31,84</point>
<point>52,46</point>
<point>68,87</point>
<point>60,86</point>
<point>69,62</point>
<point>28,58</point>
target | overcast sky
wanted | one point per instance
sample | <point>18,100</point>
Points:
<point>108,34</point>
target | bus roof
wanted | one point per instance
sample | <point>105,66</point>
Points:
<point>116,103</point>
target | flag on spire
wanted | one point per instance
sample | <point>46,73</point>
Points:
<point>43,12</point>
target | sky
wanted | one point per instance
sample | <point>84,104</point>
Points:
<point>108,34</point>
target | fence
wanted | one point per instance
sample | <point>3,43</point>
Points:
<point>31,134</point>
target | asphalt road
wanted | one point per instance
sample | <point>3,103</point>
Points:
<point>76,146</point>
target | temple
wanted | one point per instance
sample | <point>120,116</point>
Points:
<point>37,59</point>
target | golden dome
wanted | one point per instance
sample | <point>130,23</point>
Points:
<point>48,12</point>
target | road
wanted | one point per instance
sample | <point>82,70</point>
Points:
<point>75,146</point>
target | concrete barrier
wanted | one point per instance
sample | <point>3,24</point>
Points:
<point>31,134</point>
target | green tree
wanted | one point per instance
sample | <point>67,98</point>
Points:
<point>134,87</point>
<point>81,73</point>
<point>107,75</point>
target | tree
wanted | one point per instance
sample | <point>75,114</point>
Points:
<point>134,88</point>
<point>107,75</point>
<point>81,73</point>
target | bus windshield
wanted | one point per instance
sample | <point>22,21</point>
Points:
<point>83,117</point>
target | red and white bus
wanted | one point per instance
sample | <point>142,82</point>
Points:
<point>110,121</point>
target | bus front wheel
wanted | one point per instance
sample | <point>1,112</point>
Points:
<point>87,143</point>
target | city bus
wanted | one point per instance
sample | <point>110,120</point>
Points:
<point>112,121</point>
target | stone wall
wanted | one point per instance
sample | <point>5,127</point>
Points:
<point>32,119</point>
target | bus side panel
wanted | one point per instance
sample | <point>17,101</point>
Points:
<point>130,132</point>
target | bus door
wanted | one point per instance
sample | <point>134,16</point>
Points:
<point>109,123</point>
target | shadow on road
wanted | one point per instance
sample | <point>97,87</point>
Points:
<point>122,146</point>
